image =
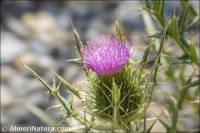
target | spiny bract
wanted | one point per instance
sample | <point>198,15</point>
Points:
<point>99,94</point>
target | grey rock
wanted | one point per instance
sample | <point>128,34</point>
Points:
<point>7,96</point>
<point>11,47</point>
<point>7,72</point>
<point>17,83</point>
<point>41,61</point>
<point>17,27</point>
<point>130,16</point>
<point>38,47</point>
<point>45,28</point>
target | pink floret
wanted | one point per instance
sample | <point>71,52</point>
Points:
<point>106,55</point>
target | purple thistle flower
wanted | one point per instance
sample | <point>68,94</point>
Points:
<point>106,55</point>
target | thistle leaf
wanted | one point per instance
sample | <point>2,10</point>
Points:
<point>153,123</point>
<point>170,100</point>
<point>67,85</point>
<point>182,20</point>
<point>53,84</point>
<point>148,4</point>
<point>159,10</point>
<point>184,45</point>
<point>185,91</point>
<point>159,7</point>
<point>50,89</point>
<point>64,103</point>
<point>77,38</point>
<point>38,77</point>
<point>115,93</point>
<point>173,27</point>
<point>144,58</point>
<point>193,54</point>
<point>153,73</point>
<point>56,90</point>
<point>167,127</point>
<point>115,100</point>
<point>186,3</point>
<point>118,31</point>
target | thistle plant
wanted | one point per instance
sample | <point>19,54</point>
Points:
<point>114,88</point>
<point>116,93</point>
<point>175,66</point>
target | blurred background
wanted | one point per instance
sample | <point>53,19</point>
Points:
<point>40,35</point>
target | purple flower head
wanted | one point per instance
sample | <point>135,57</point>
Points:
<point>106,55</point>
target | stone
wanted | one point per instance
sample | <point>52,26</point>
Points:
<point>16,26</point>
<point>7,96</point>
<point>11,47</point>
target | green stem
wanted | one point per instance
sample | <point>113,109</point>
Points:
<point>180,102</point>
<point>115,121</point>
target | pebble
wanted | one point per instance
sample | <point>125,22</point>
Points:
<point>45,28</point>
<point>6,73</point>
<point>130,18</point>
<point>33,59</point>
<point>11,47</point>
<point>17,27</point>
<point>7,96</point>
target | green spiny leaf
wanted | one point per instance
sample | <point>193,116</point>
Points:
<point>115,100</point>
<point>162,8</point>
<point>118,31</point>
<point>148,3</point>
<point>56,90</point>
<point>151,126</point>
<point>38,77</point>
<point>185,90</point>
<point>167,127</point>
<point>153,73</point>
<point>193,54</point>
<point>163,38</point>
<point>156,6</point>
<point>144,58</point>
<point>50,89</point>
<point>159,11</point>
<point>67,85</point>
<point>175,113</point>
<point>170,100</point>
<point>63,102</point>
<point>182,42</point>
<point>79,44</point>
<point>53,84</point>
<point>115,94</point>
<point>159,7</point>
<point>173,27</point>
<point>153,123</point>
<point>186,3</point>
<point>182,20</point>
